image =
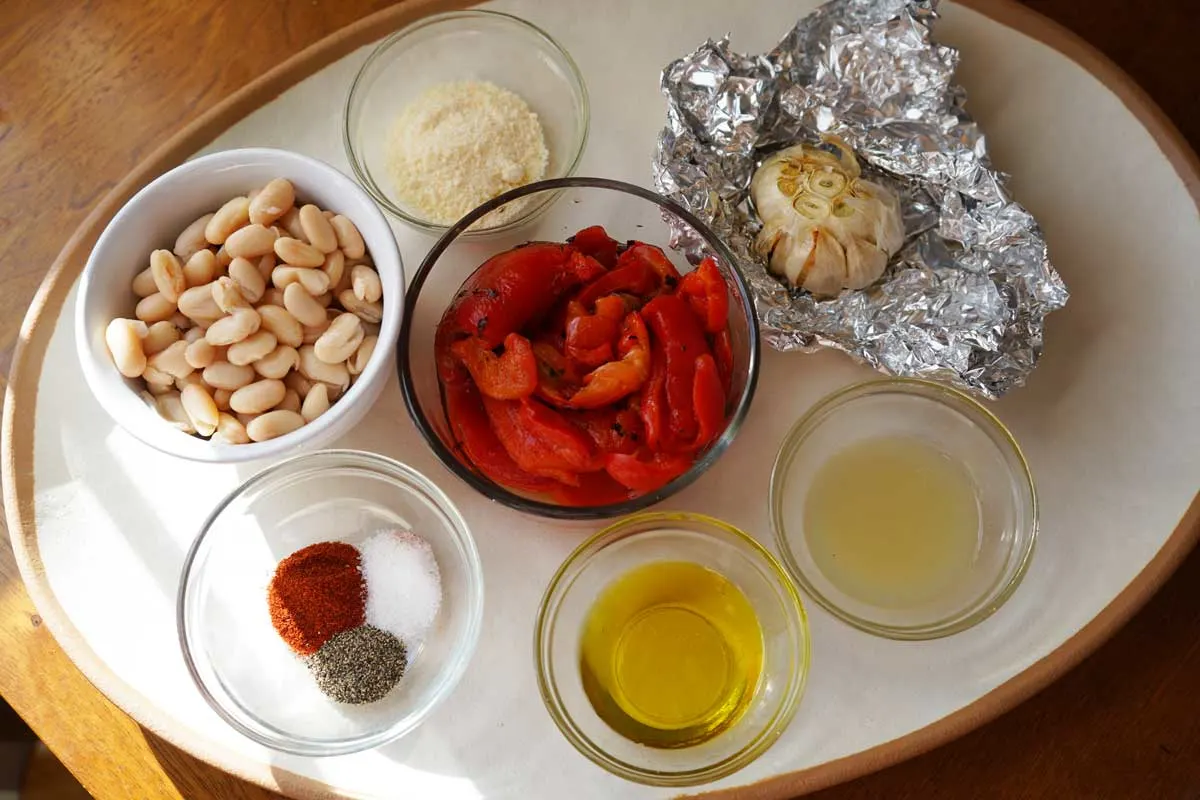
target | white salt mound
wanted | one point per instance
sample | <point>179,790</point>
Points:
<point>404,586</point>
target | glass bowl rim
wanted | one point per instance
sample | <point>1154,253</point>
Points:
<point>495,491</point>
<point>986,603</point>
<point>357,166</point>
<point>459,660</point>
<point>785,711</point>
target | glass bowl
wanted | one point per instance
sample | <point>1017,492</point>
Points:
<point>241,665</point>
<point>672,536</point>
<point>963,431</point>
<point>460,46</point>
<point>627,212</point>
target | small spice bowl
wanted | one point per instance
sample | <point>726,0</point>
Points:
<point>964,436</point>
<point>472,45</point>
<point>643,540</point>
<point>240,664</point>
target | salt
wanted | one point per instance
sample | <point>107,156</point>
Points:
<point>404,586</point>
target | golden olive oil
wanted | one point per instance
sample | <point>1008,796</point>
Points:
<point>893,521</point>
<point>671,654</point>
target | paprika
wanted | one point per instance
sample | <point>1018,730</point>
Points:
<point>317,592</point>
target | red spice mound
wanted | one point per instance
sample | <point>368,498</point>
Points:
<point>317,592</point>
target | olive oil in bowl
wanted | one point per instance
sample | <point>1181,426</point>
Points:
<point>671,654</point>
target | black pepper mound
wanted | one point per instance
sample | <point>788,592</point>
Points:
<point>358,666</point>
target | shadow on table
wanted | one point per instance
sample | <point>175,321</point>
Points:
<point>195,778</point>
<point>1122,724</point>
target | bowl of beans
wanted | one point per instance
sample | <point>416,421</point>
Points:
<point>241,306</point>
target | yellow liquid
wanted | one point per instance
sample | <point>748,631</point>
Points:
<point>892,521</point>
<point>670,655</point>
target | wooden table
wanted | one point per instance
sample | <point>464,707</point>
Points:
<point>88,89</point>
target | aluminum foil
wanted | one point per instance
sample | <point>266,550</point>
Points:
<point>965,298</point>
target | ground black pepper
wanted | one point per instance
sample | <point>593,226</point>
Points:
<point>358,666</point>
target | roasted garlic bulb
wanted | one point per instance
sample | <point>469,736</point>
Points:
<point>825,228</point>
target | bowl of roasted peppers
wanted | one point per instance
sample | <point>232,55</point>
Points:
<point>580,369</point>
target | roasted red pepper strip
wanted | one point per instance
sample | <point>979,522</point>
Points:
<point>509,376</point>
<point>705,291</point>
<point>653,257</point>
<point>723,354</point>
<point>611,430</point>
<point>646,472</point>
<point>590,337</point>
<point>636,277</point>
<point>594,489</point>
<point>513,289</point>
<point>708,400</point>
<point>473,431</point>
<point>675,326</point>
<point>557,377</point>
<point>539,443</point>
<point>617,379</point>
<point>652,404</point>
<point>596,242</point>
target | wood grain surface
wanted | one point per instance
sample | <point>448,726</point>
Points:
<point>87,89</point>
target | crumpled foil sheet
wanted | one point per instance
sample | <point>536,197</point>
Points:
<point>964,301</point>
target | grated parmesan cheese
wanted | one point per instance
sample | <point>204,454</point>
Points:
<point>460,144</point>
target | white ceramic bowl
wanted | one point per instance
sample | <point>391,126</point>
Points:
<point>153,218</point>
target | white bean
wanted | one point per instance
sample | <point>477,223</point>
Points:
<point>159,337</point>
<point>193,334</point>
<point>197,303</point>
<point>231,377</point>
<point>314,281</point>
<point>279,321</point>
<point>124,340</point>
<point>172,360</point>
<point>272,201</point>
<point>168,274</point>
<point>221,398</point>
<point>290,401</point>
<point>291,223</point>
<point>315,369</point>
<point>230,430</point>
<point>266,264</point>
<point>273,424</point>
<point>234,328</point>
<point>365,283</point>
<point>340,339</point>
<point>154,308</point>
<point>200,353</point>
<point>334,267</point>
<point>302,306</point>
<point>278,363</point>
<point>201,268</point>
<point>349,239</point>
<point>257,397</point>
<point>316,402</point>
<point>192,240</point>
<point>251,349</point>
<point>317,230</point>
<point>298,253</point>
<point>170,407</point>
<point>200,408</point>
<point>156,378</point>
<point>367,312</point>
<point>249,280</point>
<point>297,382</point>
<point>362,356</point>
<point>143,283</point>
<point>229,218</point>
<point>251,241</point>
